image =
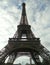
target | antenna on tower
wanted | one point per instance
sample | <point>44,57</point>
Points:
<point>23,9</point>
<point>24,16</point>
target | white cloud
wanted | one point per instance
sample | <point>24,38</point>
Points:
<point>40,18</point>
<point>6,23</point>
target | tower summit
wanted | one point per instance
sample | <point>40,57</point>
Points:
<point>23,9</point>
<point>30,46</point>
<point>24,20</point>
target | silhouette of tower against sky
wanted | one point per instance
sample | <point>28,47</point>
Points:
<point>24,42</point>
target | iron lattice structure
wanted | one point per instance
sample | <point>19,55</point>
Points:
<point>30,45</point>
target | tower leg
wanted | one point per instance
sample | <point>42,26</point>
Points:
<point>3,54</point>
<point>12,57</point>
<point>44,53</point>
<point>35,57</point>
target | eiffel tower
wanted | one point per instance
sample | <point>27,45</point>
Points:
<point>24,42</point>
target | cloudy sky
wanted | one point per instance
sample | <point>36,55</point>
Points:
<point>39,19</point>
